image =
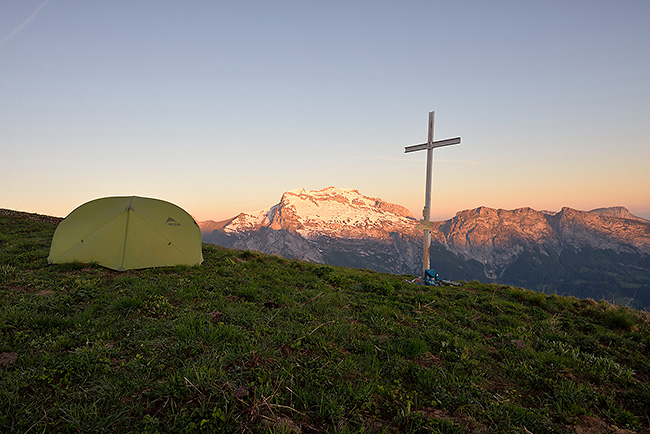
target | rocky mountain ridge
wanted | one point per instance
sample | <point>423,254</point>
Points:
<point>483,234</point>
<point>541,249</point>
<point>495,237</point>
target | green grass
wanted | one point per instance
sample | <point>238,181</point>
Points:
<point>255,343</point>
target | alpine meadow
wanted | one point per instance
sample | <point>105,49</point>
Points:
<point>259,239</point>
<point>253,343</point>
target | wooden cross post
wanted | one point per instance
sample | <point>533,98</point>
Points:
<point>426,223</point>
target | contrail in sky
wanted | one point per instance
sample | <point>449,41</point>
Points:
<point>23,24</point>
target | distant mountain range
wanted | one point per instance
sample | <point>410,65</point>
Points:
<point>603,253</point>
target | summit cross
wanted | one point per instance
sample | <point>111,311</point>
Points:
<point>426,223</point>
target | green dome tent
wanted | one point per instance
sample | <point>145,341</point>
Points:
<point>124,233</point>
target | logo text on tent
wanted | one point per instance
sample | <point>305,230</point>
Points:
<point>171,222</point>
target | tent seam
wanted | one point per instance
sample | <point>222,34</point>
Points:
<point>126,233</point>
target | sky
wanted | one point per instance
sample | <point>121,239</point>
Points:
<point>220,106</point>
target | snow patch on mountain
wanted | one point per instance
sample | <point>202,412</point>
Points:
<point>245,222</point>
<point>335,212</point>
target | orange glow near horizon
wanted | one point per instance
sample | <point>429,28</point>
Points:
<point>217,135</point>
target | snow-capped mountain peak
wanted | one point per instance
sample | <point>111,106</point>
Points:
<point>336,212</point>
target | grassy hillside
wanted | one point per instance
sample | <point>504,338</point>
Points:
<point>255,343</point>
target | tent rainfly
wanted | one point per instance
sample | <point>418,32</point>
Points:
<point>124,233</point>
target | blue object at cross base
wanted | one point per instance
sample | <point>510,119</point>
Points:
<point>431,278</point>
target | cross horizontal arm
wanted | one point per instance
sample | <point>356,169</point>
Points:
<point>436,144</point>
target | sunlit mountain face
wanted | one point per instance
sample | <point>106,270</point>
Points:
<point>599,253</point>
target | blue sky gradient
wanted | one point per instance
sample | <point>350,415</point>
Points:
<point>220,106</point>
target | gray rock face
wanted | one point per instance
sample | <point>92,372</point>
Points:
<point>497,237</point>
<point>372,228</point>
<point>536,249</point>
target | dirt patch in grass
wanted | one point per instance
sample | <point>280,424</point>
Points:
<point>427,360</point>
<point>7,359</point>
<point>457,419</point>
<point>594,425</point>
<point>283,425</point>
<point>17,288</point>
